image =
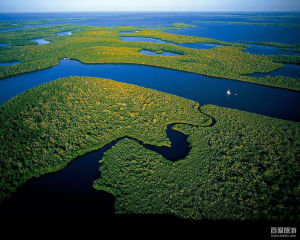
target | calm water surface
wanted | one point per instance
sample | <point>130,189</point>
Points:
<point>249,97</point>
<point>268,50</point>
<point>40,41</point>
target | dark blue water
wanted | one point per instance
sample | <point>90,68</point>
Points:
<point>254,98</point>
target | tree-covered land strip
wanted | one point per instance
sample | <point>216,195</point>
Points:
<point>282,46</point>
<point>18,24</point>
<point>245,167</point>
<point>177,38</point>
<point>252,23</point>
<point>282,81</point>
<point>50,125</point>
<point>174,26</point>
<point>103,45</point>
<point>285,59</point>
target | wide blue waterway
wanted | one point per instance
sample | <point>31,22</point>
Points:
<point>249,97</point>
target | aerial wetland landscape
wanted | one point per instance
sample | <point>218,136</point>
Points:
<point>194,115</point>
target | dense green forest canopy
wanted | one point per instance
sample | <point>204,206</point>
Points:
<point>104,45</point>
<point>50,125</point>
<point>243,167</point>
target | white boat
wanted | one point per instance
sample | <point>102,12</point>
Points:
<point>228,92</point>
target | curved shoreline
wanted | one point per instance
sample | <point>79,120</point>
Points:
<point>31,196</point>
<point>161,67</point>
<point>202,89</point>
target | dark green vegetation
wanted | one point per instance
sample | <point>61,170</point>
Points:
<point>103,45</point>
<point>50,125</point>
<point>243,167</point>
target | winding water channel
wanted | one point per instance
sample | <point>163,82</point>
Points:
<point>274,102</point>
<point>70,191</point>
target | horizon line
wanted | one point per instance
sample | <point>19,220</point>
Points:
<point>141,11</point>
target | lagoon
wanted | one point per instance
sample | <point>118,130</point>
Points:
<point>66,33</point>
<point>40,41</point>
<point>70,191</point>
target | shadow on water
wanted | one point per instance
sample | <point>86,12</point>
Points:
<point>70,192</point>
